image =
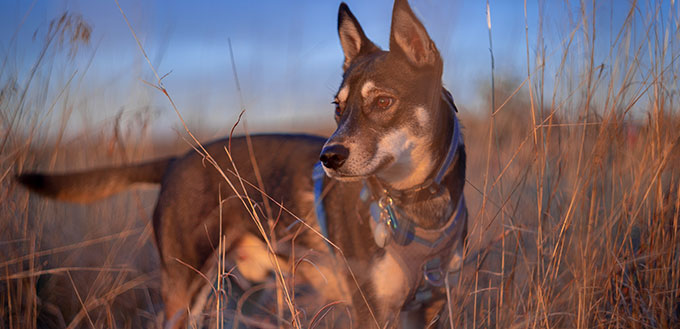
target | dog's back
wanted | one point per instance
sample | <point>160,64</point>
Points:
<point>194,196</point>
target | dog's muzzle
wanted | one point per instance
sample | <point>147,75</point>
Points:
<point>334,156</point>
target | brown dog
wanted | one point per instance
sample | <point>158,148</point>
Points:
<point>392,202</point>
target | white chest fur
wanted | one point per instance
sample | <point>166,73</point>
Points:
<point>389,281</point>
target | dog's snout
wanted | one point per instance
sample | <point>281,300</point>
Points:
<point>334,156</point>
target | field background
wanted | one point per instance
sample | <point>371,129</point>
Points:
<point>573,164</point>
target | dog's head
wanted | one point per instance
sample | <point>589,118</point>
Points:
<point>385,107</point>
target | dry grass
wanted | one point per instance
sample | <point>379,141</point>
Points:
<point>573,195</point>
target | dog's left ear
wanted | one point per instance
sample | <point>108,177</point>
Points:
<point>409,36</point>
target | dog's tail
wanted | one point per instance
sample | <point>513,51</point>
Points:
<point>95,184</point>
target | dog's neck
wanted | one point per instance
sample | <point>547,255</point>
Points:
<point>428,203</point>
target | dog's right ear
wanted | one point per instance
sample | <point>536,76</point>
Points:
<point>352,38</point>
<point>409,37</point>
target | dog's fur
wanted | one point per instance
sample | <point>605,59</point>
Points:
<point>394,123</point>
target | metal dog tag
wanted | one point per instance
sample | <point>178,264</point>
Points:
<point>381,234</point>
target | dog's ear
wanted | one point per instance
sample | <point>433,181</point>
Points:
<point>409,37</point>
<point>352,38</point>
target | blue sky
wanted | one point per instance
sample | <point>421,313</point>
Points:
<point>286,53</point>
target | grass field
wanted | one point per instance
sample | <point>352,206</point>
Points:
<point>573,193</point>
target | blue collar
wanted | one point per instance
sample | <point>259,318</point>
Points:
<point>432,184</point>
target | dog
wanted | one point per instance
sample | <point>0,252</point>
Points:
<point>380,202</point>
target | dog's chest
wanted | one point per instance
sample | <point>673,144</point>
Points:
<point>389,280</point>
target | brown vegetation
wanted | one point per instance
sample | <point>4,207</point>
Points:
<point>573,194</point>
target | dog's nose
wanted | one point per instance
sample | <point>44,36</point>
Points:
<point>333,156</point>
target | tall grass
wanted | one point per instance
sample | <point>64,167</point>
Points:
<point>580,224</point>
<point>572,188</point>
<point>66,265</point>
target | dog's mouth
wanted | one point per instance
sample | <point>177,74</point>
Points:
<point>348,176</point>
<point>344,176</point>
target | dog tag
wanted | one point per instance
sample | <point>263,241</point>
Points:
<point>381,234</point>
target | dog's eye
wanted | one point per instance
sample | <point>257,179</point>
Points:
<point>338,109</point>
<point>384,102</point>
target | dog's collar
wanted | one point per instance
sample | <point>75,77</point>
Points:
<point>404,230</point>
<point>385,203</point>
<point>432,186</point>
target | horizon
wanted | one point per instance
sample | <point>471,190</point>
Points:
<point>287,56</point>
